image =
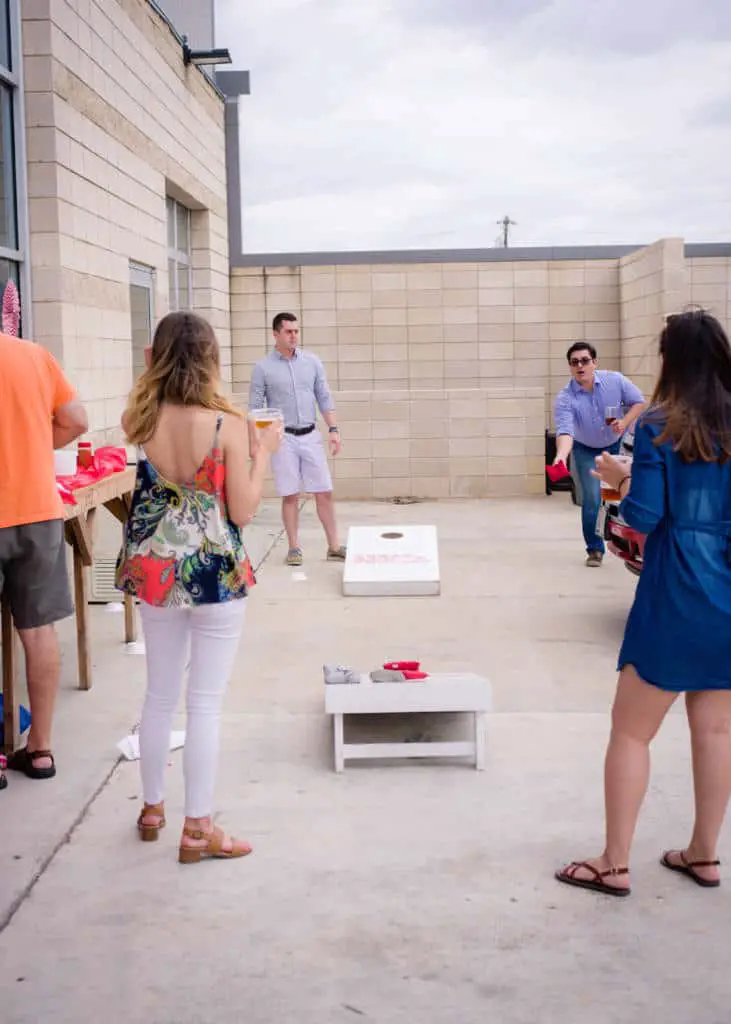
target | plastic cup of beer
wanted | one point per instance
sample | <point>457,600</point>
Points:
<point>611,493</point>
<point>265,417</point>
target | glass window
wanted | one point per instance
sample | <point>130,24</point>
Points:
<point>183,239</point>
<point>140,308</point>
<point>171,223</point>
<point>179,256</point>
<point>8,212</point>
<point>5,47</point>
<point>172,285</point>
<point>183,286</point>
<point>13,272</point>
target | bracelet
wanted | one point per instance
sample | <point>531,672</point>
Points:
<point>333,430</point>
<point>624,478</point>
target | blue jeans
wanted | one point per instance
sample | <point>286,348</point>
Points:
<point>583,459</point>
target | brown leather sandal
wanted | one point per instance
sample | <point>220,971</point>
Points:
<point>149,832</point>
<point>596,883</point>
<point>688,867</point>
<point>214,847</point>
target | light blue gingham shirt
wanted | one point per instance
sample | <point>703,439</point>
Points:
<point>298,386</point>
<point>580,413</point>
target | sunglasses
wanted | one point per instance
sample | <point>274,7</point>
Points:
<point>583,361</point>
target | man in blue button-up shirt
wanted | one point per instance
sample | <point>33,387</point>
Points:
<point>294,381</point>
<point>592,413</point>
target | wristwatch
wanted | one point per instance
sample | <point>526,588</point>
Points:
<point>333,430</point>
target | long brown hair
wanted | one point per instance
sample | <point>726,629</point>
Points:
<point>692,397</point>
<point>184,370</point>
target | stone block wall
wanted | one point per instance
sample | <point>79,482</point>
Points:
<point>438,443</point>
<point>653,283</point>
<point>448,443</point>
<point>709,285</point>
<point>398,339</point>
<point>433,326</point>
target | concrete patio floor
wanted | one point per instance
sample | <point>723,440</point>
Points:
<point>409,892</point>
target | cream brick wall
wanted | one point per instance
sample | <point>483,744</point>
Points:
<point>433,326</point>
<point>709,285</point>
<point>439,443</point>
<point>114,123</point>
<point>653,283</point>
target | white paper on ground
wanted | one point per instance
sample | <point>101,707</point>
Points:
<point>130,745</point>
<point>299,577</point>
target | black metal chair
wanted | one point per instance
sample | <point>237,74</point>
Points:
<point>568,484</point>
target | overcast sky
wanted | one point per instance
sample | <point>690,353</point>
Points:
<point>379,124</point>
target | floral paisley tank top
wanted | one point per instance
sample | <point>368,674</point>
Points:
<point>180,547</point>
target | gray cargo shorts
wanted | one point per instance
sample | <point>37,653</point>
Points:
<point>33,574</point>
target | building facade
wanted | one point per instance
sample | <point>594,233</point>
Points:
<point>126,205</point>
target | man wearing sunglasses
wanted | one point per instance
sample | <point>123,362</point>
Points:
<point>592,413</point>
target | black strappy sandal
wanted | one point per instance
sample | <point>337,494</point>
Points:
<point>24,761</point>
<point>687,867</point>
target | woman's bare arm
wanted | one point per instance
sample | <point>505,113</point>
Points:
<point>244,477</point>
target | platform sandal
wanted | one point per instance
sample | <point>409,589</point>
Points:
<point>149,832</point>
<point>214,846</point>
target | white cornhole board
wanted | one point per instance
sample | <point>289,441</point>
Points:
<point>460,692</point>
<point>391,561</point>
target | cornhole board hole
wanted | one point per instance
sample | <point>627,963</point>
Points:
<point>391,561</point>
<point>447,692</point>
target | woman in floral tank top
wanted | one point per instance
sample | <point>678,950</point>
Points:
<point>184,558</point>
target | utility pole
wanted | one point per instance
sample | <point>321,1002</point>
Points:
<point>506,223</point>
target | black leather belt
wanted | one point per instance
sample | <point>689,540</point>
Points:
<point>299,431</point>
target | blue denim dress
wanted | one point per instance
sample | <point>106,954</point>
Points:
<point>678,634</point>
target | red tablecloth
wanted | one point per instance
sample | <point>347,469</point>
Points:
<point>105,462</point>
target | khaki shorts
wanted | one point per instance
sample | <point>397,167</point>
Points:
<point>301,464</point>
<point>33,574</point>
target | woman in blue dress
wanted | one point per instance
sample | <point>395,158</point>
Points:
<point>678,634</point>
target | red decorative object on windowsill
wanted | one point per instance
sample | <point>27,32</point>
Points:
<point>11,310</point>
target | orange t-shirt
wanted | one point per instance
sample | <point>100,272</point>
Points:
<point>32,388</point>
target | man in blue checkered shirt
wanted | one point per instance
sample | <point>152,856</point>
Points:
<point>592,413</point>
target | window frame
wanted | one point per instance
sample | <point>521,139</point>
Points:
<point>144,277</point>
<point>178,257</point>
<point>12,78</point>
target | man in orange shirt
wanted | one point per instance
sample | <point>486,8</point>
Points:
<point>38,413</point>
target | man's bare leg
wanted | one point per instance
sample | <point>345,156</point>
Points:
<point>326,513</point>
<point>290,518</point>
<point>43,672</point>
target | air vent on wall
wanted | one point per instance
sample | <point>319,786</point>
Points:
<point>102,589</point>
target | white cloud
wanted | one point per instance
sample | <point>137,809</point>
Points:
<point>397,124</point>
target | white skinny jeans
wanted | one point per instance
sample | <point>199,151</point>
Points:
<point>210,635</point>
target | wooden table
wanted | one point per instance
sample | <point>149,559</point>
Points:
<point>115,494</point>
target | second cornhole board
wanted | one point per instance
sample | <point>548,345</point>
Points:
<point>443,692</point>
<point>392,561</point>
